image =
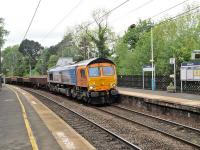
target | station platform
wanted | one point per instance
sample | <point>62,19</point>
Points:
<point>27,124</point>
<point>189,102</point>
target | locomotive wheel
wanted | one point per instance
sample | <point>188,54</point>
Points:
<point>79,97</point>
<point>73,95</point>
<point>107,100</point>
<point>85,100</point>
<point>89,100</point>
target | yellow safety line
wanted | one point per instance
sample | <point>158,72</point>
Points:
<point>27,124</point>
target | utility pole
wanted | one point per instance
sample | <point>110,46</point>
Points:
<point>173,61</point>
<point>0,71</point>
<point>152,63</point>
<point>88,53</point>
<point>13,58</point>
<point>42,59</point>
<point>85,48</point>
<point>30,67</point>
<point>175,73</point>
<point>62,52</point>
<point>42,69</point>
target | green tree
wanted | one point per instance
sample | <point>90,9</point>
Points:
<point>136,31</point>
<point>102,34</point>
<point>171,38</point>
<point>13,63</point>
<point>133,49</point>
<point>30,49</point>
<point>52,61</point>
<point>67,47</point>
<point>3,32</point>
<point>123,58</point>
<point>42,62</point>
<point>86,48</point>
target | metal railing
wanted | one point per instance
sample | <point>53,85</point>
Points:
<point>161,83</point>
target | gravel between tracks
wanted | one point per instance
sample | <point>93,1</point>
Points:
<point>145,138</point>
<point>179,131</point>
<point>99,138</point>
<point>195,123</point>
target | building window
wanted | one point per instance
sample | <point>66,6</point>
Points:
<point>197,56</point>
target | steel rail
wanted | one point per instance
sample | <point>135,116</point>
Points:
<point>92,122</point>
<point>152,128</point>
<point>158,118</point>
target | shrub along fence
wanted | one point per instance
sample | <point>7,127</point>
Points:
<point>135,81</point>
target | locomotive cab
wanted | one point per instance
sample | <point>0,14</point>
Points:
<point>102,81</point>
<point>101,77</point>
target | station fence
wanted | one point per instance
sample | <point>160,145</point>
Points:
<point>161,83</point>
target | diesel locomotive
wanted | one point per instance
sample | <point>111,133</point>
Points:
<point>92,81</point>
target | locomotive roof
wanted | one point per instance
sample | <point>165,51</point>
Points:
<point>81,63</point>
<point>93,61</point>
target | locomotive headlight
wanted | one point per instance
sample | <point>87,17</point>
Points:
<point>114,85</point>
<point>91,87</point>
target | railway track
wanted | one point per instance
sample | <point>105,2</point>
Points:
<point>158,118</point>
<point>100,137</point>
<point>145,137</point>
<point>183,133</point>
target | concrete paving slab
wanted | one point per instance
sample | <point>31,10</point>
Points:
<point>183,101</point>
<point>13,133</point>
<point>66,137</point>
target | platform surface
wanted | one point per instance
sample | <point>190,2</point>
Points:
<point>178,98</point>
<point>13,134</point>
<point>50,132</point>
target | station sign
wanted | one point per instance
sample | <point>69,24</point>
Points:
<point>185,64</point>
<point>148,67</point>
<point>172,60</point>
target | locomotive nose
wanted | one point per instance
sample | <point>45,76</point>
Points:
<point>102,84</point>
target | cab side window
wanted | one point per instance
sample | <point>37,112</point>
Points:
<point>51,76</point>
<point>83,73</point>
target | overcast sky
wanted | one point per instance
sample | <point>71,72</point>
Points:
<point>18,13</point>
